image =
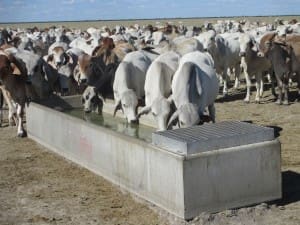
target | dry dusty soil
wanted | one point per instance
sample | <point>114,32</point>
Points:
<point>39,187</point>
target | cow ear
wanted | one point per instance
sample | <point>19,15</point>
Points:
<point>173,120</point>
<point>101,98</point>
<point>254,46</point>
<point>170,99</point>
<point>144,110</point>
<point>69,58</point>
<point>15,70</point>
<point>117,107</point>
<point>49,58</point>
<point>13,66</point>
<point>198,82</point>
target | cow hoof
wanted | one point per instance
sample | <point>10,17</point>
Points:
<point>247,101</point>
<point>23,134</point>
<point>257,102</point>
<point>278,102</point>
<point>285,102</point>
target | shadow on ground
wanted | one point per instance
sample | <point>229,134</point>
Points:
<point>290,188</point>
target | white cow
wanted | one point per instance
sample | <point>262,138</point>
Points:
<point>129,83</point>
<point>194,87</point>
<point>283,30</point>
<point>57,53</point>
<point>85,45</point>
<point>225,52</point>
<point>158,88</point>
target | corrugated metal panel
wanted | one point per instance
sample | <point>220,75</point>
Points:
<point>211,137</point>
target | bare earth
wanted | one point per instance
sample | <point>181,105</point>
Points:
<point>39,187</point>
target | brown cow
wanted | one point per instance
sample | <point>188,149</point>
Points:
<point>108,51</point>
<point>284,53</point>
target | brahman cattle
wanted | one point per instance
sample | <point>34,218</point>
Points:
<point>129,83</point>
<point>225,52</point>
<point>284,55</point>
<point>252,65</point>
<point>158,88</point>
<point>194,87</point>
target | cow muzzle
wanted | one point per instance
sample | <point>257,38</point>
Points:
<point>135,121</point>
<point>260,54</point>
<point>242,54</point>
<point>86,110</point>
<point>83,81</point>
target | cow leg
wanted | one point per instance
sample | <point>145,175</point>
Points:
<point>212,112</point>
<point>20,113</point>
<point>244,66</point>
<point>279,86</point>
<point>11,107</point>
<point>258,87</point>
<point>237,72</point>
<point>220,79</point>
<point>261,91</point>
<point>248,84</point>
<point>1,107</point>
<point>225,88</point>
<point>298,85</point>
<point>272,76</point>
<point>285,89</point>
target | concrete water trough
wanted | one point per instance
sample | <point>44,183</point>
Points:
<point>205,168</point>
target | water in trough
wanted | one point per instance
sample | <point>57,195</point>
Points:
<point>120,125</point>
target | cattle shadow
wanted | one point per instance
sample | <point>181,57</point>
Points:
<point>276,129</point>
<point>55,102</point>
<point>294,96</point>
<point>240,93</point>
<point>290,188</point>
<point>233,95</point>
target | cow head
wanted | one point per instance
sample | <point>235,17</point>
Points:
<point>247,43</point>
<point>82,68</point>
<point>129,104</point>
<point>208,40</point>
<point>65,73</point>
<point>11,65</point>
<point>5,68</point>
<point>58,58</point>
<point>92,101</point>
<point>161,110</point>
<point>187,115</point>
<point>265,44</point>
<point>283,30</point>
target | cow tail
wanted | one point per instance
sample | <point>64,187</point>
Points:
<point>1,100</point>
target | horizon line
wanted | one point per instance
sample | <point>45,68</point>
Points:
<point>107,20</point>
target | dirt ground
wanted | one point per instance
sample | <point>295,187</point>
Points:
<point>39,187</point>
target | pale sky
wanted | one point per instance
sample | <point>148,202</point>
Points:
<point>69,10</point>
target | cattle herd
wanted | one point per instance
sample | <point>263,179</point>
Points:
<point>173,72</point>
